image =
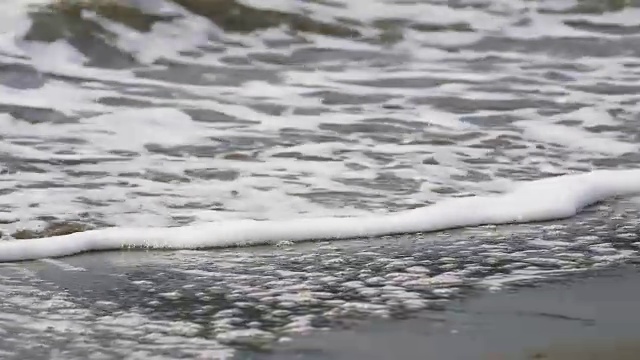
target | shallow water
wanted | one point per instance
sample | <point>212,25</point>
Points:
<point>253,302</point>
<point>591,316</point>
<point>165,113</point>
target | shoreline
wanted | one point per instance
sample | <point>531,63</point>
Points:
<point>592,315</point>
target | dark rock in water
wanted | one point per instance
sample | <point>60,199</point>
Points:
<point>25,234</point>
<point>53,229</point>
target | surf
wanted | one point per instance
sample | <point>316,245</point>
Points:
<point>539,200</point>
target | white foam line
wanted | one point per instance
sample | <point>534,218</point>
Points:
<point>547,199</point>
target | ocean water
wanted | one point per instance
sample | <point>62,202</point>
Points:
<point>196,124</point>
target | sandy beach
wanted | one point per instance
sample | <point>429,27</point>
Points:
<point>585,316</point>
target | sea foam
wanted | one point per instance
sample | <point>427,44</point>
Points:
<point>546,199</point>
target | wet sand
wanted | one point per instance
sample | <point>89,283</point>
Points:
<point>586,316</point>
